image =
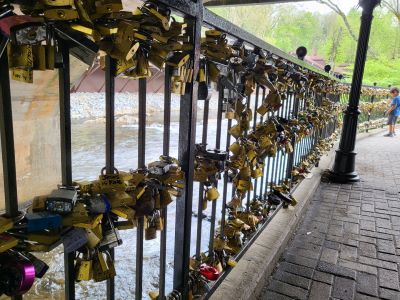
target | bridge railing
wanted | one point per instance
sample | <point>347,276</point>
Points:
<point>302,128</point>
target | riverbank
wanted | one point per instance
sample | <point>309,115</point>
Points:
<point>90,107</point>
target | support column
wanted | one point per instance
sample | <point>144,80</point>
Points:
<point>344,168</point>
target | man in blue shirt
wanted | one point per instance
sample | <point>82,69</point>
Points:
<point>393,112</point>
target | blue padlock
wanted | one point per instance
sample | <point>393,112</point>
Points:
<point>42,220</point>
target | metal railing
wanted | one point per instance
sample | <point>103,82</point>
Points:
<point>194,233</point>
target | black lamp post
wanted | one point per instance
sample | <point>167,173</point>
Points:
<point>344,168</point>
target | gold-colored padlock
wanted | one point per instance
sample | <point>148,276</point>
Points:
<point>59,14</point>
<point>7,242</point>
<point>212,194</point>
<point>39,203</point>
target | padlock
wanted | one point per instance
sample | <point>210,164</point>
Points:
<point>17,273</point>
<point>257,172</point>
<point>91,223</point>
<point>62,200</point>
<point>123,66</point>
<point>204,204</point>
<point>150,232</point>
<point>235,131</point>
<point>60,14</point>
<point>125,225</point>
<point>41,221</point>
<point>99,204</point>
<point>46,238</point>
<point>103,269</point>
<point>57,2</point>
<point>7,242</point>
<point>40,266</point>
<point>235,203</point>
<point>111,237</point>
<point>209,272</point>
<point>5,224</point>
<point>124,212</point>
<point>74,239</point>
<point>84,269</point>
<point>92,238</point>
<point>79,214</point>
<point>178,59</point>
<point>39,203</point>
<point>122,198</point>
<point>20,56</point>
<point>111,182</point>
<point>212,194</point>
<point>165,198</point>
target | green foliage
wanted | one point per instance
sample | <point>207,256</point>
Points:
<point>287,26</point>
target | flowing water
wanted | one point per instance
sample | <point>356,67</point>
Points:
<point>88,158</point>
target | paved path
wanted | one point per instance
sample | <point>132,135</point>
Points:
<point>348,244</point>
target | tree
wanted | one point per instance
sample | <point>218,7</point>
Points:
<point>337,10</point>
<point>394,7</point>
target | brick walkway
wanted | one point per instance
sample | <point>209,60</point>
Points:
<point>348,244</point>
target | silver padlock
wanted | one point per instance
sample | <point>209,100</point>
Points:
<point>74,239</point>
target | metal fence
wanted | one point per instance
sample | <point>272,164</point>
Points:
<point>194,233</point>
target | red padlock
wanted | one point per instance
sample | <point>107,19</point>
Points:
<point>208,272</point>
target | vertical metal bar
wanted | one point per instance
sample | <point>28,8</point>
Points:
<point>110,140</point>
<point>263,177</point>
<point>141,164</point>
<point>217,146</point>
<point>248,192</point>
<point>7,143</point>
<point>164,211</point>
<point>201,186</point>
<point>225,190</point>
<point>66,161</point>
<point>254,128</point>
<point>187,139</point>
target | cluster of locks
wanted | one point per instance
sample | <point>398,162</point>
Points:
<point>374,107</point>
<point>86,219</point>
<point>344,89</point>
<point>237,71</point>
<point>135,39</point>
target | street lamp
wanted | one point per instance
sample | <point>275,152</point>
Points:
<point>343,170</point>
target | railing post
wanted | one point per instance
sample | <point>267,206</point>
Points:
<point>141,164</point>
<point>344,167</point>
<point>66,160</point>
<point>7,139</point>
<point>187,140</point>
<point>110,140</point>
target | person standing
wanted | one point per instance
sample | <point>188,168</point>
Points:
<point>393,112</point>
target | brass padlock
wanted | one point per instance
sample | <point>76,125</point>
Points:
<point>212,194</point>
<point>150,232</point>
<point>111,182</point>
<point>61,14</point>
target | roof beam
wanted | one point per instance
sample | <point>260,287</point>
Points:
<point>245,2</point>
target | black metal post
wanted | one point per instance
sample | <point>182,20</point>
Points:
<point>344,168</point>
<point>141,164</point>
<point>7,140</point>
<point>66,160</point>
<point>164,211</point>
<point>7,143</point>
<point>187,138</point>
<point>110,141</point>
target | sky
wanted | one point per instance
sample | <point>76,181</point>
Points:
<point>314,6</point>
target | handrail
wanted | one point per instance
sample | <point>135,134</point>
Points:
<point>231,29</point>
